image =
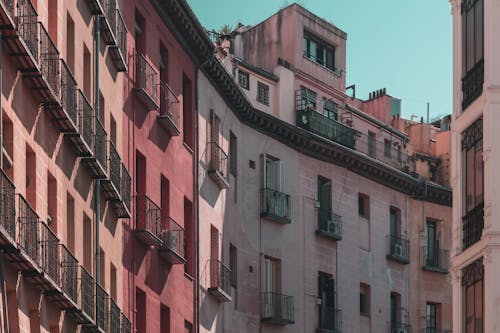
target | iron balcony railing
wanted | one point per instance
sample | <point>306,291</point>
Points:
<point>398,249</point>
<point>110,14</point>
<point>8,5</point>
<point>331,319</point>
<point>126,326</point>
<point>8,206</point>
<point>172,237</point>
<point>472,226</point>
<point>49,61</point>
<point>387,153</point>
<point>87,293</point>
<point>114,317</point>
<point>218,164</point>
<point>102,308</point>
<point>114,166</point>
<point>99,144</point>
<point>125,186</point>
<point>68,93</point>
<point>28,229</point>
<point>85,120</point>
<point>146,81</point>
<point>397,327</point>
<point>435,259</point>
<point>275,205</point>
<point>121,34</point>
<point>68,273</point>
<point>49,252</point>
<point>321,125</point>
<point>27,26</point>
<point>148,216</point>
<point>277,308</point>
<point>169,109</point>
<point>220,278</point>
<point>329,224</point>
<point>472,84</point>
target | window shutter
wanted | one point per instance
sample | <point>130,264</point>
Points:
<point>281,175</point>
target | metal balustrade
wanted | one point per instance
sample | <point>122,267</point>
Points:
<point>97,162</point>
<point>28,236</point>
<point>49,63</point>
<point>435,259</point>
<point>398,327</point>
<point>68,96</point>
<point>472,84</point>
<point>27,26</point>
<point>169,110</point>
<point>108,22</point>
<point>329,224</point>
<point>82,140</point>
<point>277,308</point>
<point>381,151</point>
<point>220,280</point>
<point>398,248</point>
<point>68,274</point>
<point>7,14</point>
<point>126,326</point>
<point>331,319</point>
<point>118,52</point>
<point>146,82</point>
<point>101,308</point>
<point>218,164</point>
<point>172,241</point>
<point>86,297</point>
<point>472,226</point>
<point>114,166</point>
<point>48,249</point>
<point>7,208</point>
<point>114,317</point>
<point>148,220</point>
<point>126,181</point>
<point>275,205</point>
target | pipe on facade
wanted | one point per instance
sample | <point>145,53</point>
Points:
<point>197,208</point>
<point>97,182</point>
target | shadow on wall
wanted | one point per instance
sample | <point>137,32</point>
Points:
<point>83,8</point>
<point>83,181</point>
<point>110,219</point>
<point>133,247</point>
<point>46,135</point>
<point>26,109</point>
<point>66,159</point>
<point>158,135</point>
<point>157,272</point>
<point>209,191</point>
<point>209,305</point>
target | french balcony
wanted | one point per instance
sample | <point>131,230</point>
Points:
<point>220,281</point>
<point>472,226</point>
<point>48,249</point>
<point>101,308</point>
<point>111,185</point>
<point>169,117</point>
<point>98,161</point>
<point>68,279</point>
<point>108,22</point>
<point>28,237</point>
<point>84,312</point>
<point>49,62</point>
<point>398,249</point>
<point>146,83</point>
<point>118,52</point>
<point>329,224</point>
<point>172,242</point>
<point>315,122</point>
<point>435,259</point>
<point>82,139</point>
<point>122,206</point>
<point>218,165</point>
<point>148,221</point>
<point>330,320</point>
<point>472,84</point>
<point>275,206</point>
<point>7,13</point>
<point>277,309</point>
<point>7,211</point>
<point>391,154</point>
<point>397,327</point>
<point>114,317</point>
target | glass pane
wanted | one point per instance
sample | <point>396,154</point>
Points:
<point>464,44</point>
<point>469,179</point>
<point>306,42</point>
<point>469,308</point>
<point>330,58</point>
<point>394,224</point>
<point>478,10</point>
<point>479,173</point>
<point>312,49</point>
<point>470,39</point>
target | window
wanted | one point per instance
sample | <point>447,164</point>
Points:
<point>87,242</point>
<point>140,33</point>
<point>112,281</point>
<point>326,295</point>
<point>52,24</point>
<point>243,79</point>
<point>70,42</point>
<point>233,154</point>
<point>52,202</point>
<point>272,275</point>
<point>8,146</point>
<point>318,51</point>
<point>432,246</point>
<point>364,299</point>
<point>233,265</point>
<point>363,206</point>
<point>395,310</point>
<point>187,111</point>
<point>189,237</point>
<point>387,148</point>
<point>140,309</point>
<point>431,317</point>
<point>308,99</point>
<point>371,144</point>
<point>87,72</point>
<point>395,223</point>
<point>326,223</point>
<point>263,93</point>
<point>164,319</point>
<point>330,109</point>
<point>112,129</point>
<point>473,288</point>
<point>70,220</point>
<point>165,200</point>
<point>274,174</point>
<point>163,66</point>
<point>102,268</point>
<point>31,176</point>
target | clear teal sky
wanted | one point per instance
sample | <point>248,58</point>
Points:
<point>402,45</point>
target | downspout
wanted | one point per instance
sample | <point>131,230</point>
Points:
<point>197,208</point>
<point>97,182</point>
<point>2,268</point>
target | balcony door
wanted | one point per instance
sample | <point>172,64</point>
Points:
<point>271,287</point>
<point>274,184</point>
<point>325,202</point>
<point>326,293</point>
<point>432,246</point>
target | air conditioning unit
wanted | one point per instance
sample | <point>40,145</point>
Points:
<point>332,227</point>
<point>398,251</point>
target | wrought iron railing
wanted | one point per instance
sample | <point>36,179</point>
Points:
<point>398,248</point>
<point>330,319</point>
<point>385,152</point>
<point>169,104</point>
<point>329,223</point>
<point>397,327</point>
<point>85,119</point>
<point>48,247</point>
<point>110,13</point>
<point>68,273</point>
<point>434,258</point>
<point>28,229</point>
<point>148,215</point>
<point>8,205</point>
<point>125,186</point>
<point>146,78</point>
<point>27,26</point>
<point>101,308</point>
<point>172,236</point>
<point>472,84</point>
<point>472,226</point>
<point>121,34</point>
<point>49,61</point>
<point>277,307</point>
<point>220,276</point>
<point>114,317</point>
<point>9,7</point>
<point>126,326</point>
<point>218,160</point>
<point>114,165</point>
<point>87,293</point>
<point>99,146</point>
<point>68,94</point>
<point>276,205</point>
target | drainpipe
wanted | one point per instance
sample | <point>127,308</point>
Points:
<point>197,208</point>
<point>97,182</point>
<point>2,268</point>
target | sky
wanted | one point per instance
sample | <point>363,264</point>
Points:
<point>404,46</point>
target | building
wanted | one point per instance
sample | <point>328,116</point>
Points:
<point>159,137</point>
<point>311,211</point>
<point>64,188</point>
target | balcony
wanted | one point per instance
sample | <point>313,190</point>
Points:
<point>97,162</point>
<point>146,83</point>
<point>435,259</point>
<point>108,22</point>
<point>398,249</point>
<point>68,279</point>
<point>83,138</point>
<point>111,186</point>
<point>122,206</point>
<point>48,249</point>
<point>275,206</point>
<point>7,14</point>
<point>218,165</point>
<point>49,62</point>
<point>84,312</point>
<point>101,308</point>
<point>169,116</point>
<point>96,7</point>
<point>148,221</point>
<point>172,242</point>
<point>329,224</point>
<point>126,326</point>
<point>397,327</point>
<point>391,154</point>
<point>118,52</point>
<point>330,320</point>
<point>28,236</point>
<point>472,226</point>
<point>220,280</point>
<point>472,84</point>
<point>315,122</point>
<point>114,317</point>
<point>7,211</point>
<point>277,309</point>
